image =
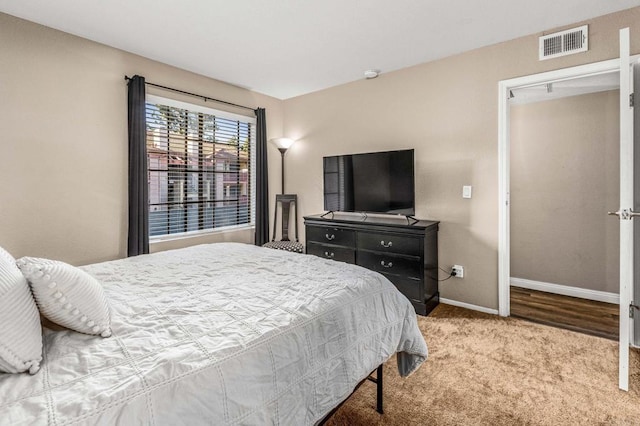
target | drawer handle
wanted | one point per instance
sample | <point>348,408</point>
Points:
<point>383,244</point>
<point>330,237</point>
<point>329,255</point>
<point>386,265</point>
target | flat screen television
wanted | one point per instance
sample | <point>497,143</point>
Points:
<point>375,182</point>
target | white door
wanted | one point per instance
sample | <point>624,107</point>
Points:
<point>625,213</point>
<point>636,206</point>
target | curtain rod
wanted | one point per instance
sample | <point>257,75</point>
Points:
<point>205,98</point>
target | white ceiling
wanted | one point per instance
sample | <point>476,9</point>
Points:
<point>286,48</point>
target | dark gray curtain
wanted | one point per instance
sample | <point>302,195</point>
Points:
<point>262,187</point>
<point>138,180</point>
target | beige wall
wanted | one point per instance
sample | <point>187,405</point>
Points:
<point>63,115</point>
<point>565,175</point>
<point>448,111</point>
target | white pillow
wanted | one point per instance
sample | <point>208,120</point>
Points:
<point>68,296</point>
<point>20,330</point>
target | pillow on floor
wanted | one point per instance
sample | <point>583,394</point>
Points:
<point>68,296</point>
<point>20,330</point>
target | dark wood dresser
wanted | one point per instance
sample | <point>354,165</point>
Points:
<point>407,254</point>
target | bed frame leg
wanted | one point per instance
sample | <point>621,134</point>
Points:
<point>377,380</point>
<point>379,390</point>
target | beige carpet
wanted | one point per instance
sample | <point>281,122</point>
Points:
<point>487,370</point>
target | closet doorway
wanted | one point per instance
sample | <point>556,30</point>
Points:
<point>628,208</point>
<point>564,175</point>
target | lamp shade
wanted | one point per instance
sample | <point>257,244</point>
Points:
<point>282,143</point>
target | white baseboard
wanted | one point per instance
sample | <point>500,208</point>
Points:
<point>469,306</point>
<point>565,290</point>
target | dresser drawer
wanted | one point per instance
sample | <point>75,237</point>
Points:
<point>329,235</point>
<point>412,289</point>
<point>342,254</point>
<point>389,243</point>
<point>391,264</point>
<point>407,255</point>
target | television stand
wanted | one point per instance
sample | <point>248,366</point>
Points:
<point>405,253</point>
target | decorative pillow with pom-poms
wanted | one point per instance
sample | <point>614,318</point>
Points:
<point>68,296</point>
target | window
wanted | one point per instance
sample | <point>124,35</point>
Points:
<point>201,168</point>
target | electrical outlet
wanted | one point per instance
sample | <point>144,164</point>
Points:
<point>459,270</point>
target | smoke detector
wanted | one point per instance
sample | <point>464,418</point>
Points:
<point>369,74</point>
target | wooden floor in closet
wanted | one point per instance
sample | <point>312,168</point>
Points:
<point>585,316</point>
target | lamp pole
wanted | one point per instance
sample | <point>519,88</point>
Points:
<point>282,151</point>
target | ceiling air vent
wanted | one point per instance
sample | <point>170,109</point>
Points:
<point>564,43</point>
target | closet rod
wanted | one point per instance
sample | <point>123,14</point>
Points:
<point>206,98</point>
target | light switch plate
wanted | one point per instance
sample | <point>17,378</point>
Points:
<point>466,191</point>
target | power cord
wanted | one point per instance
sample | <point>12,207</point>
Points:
<point>452,274</point>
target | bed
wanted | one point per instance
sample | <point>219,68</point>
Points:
<point>222,333</point>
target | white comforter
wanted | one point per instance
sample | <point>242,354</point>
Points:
<point>219,334</point>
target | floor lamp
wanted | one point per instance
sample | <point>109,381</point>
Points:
<point>283,144</point>
<point>285,200</point>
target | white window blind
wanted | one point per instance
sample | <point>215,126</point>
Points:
<point>201,168</point>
